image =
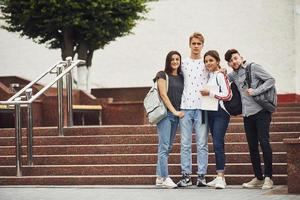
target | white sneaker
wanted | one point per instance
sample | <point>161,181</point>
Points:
<point>215,181</point>
<point>212,183</point>
<point>268,184</point>
<point>254,183</point>
<point>159,181</point>
<point>220,183</point>
<point>168,183</point>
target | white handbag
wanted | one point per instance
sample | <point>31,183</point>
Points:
<point>154,106</point>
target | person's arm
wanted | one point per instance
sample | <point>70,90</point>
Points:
<point>225,94</point>
<point>161,83</point>
<point>230,76</point>
<point>263,75</point>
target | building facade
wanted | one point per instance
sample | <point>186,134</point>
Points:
<point>264,31</point>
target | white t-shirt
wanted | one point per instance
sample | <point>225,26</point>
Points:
<point>195,76</point>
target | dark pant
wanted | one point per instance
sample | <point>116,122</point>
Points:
<point>257,130</point>
<point>218,123</point>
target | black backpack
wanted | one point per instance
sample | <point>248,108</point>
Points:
<point>234,105</point>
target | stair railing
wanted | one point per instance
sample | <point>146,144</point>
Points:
<point>25,98</point>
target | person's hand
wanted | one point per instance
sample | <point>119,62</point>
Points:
<point>250,91</point>
<point>179,114</point>
<point>204,92</point>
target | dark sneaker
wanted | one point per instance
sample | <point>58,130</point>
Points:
<point>201,182</point>
<point>185,181</point>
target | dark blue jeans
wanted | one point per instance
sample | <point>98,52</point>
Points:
<point>257,130</point>
<point>218,123</point>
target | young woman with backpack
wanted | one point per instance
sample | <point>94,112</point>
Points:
<point>167,127</point>
<point>217,120</point>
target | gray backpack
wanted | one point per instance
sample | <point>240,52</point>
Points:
<point>154,106</point>
<point>267,99</point>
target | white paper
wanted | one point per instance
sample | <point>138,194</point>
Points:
<point>207,102</point>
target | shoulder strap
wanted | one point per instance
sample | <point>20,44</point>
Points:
<point>218,81</point>
<point>248,75</point>
<point>217,78</point>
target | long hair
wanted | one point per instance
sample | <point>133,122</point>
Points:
<point>214,54</point>
<point>168,68</point>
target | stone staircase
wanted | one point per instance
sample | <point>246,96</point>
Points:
<point>121,155</point>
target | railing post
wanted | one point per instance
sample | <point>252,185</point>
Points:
<point>18,138</point>
<point>60,102</point>
<point>16,100</point>
<point>69,94</point>
<point>28,93</point>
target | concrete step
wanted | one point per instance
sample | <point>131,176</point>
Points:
<point>288,108</point>
<point>125,155</point>
<point>236,179</point>
<point>125,148</point>
<point>128,169</point>
<point>285,114</point>
<point>105,159</point>
<point>274,119</point>
<point>136,129</point>
<point>129,139</point>
<point>287,104</point>
<point>279,114</point>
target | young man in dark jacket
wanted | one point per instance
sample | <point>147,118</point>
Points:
<point>256,119</point>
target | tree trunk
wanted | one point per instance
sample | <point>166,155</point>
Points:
<point>88,65</point>
<point>82,71</point>
<point>67,48</point>
<point>89,58</point>
<point>82,78</point>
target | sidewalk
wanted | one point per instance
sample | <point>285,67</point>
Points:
<point>140,193</point>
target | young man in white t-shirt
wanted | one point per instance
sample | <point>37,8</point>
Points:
<point>195,76</point>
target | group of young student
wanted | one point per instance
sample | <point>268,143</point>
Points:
<point>186,80</point>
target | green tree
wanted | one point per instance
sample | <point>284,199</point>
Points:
<point>74,26</point>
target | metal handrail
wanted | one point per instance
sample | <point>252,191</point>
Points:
<point>34,97</point>
<point>17,101</point>
<point>34,81</point>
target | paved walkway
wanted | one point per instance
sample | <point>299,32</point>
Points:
<point>140,193</point>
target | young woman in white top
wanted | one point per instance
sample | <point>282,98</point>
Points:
<point>217,120</point>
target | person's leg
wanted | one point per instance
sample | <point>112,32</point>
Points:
<point>167,182</point>
<point>201,130</point>
<point>218,130</point>
<point>186,127</point>
<point>174,125</point>
<point>164,132</point>
<point>263,126</point>
<point>252,139</point>
<point>221,120</point>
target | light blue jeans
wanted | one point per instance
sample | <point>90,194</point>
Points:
<point>166,130</point>
<point>193,119</point>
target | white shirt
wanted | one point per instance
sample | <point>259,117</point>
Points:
<point>195,76</point>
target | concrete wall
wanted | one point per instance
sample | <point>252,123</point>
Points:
<point>265,31</point>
